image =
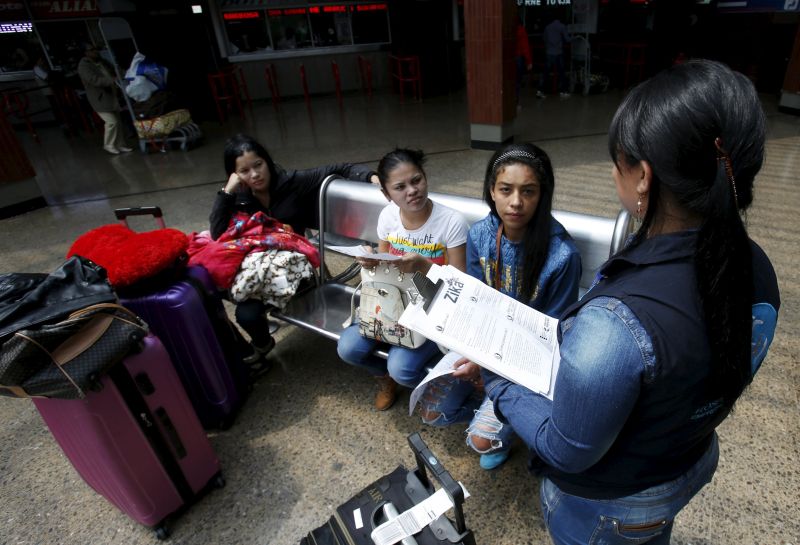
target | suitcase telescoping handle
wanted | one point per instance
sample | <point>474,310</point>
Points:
<point>123,213</point>
<point>426,459</point>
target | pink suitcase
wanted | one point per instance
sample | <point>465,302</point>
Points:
<point>137,441</point>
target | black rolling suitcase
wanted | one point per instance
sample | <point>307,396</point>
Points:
<point>354,520</point>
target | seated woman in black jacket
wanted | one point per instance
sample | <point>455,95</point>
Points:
<point>255,183</point>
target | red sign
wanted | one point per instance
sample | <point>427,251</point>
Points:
<point>334,9</point>
<point>315,9</point>
<point>371,7</point>
<point>63,9</point>
<point>294,11</point>
<point>241,15</point>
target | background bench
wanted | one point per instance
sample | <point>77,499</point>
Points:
<point>348,213</point>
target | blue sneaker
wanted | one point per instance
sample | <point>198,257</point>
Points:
<point>491,460</point>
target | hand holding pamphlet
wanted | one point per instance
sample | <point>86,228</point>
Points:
<point>490,328</point>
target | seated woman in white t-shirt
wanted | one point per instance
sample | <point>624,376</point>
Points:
<point>422,232</point>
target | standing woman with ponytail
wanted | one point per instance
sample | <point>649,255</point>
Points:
<point>655,355</point>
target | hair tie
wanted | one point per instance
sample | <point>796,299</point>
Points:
<point>512,155</point>
<point>723,156</point>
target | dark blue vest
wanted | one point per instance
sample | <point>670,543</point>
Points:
<point>673,421</point>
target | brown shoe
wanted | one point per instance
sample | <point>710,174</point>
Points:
<point>387,393</point>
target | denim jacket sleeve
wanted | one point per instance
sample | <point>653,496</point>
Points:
<point>605,356</point>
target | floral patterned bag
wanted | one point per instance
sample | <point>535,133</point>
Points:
<point>384,295</point>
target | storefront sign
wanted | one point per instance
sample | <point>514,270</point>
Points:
<point>546,3</point>
<point>13,11</point>
<point>61,9</point>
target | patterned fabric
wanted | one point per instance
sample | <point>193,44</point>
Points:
<point>257,233</point>
<point>272,276</point>
<point>158,127</point>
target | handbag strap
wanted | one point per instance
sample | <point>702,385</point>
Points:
<point>56,363</point>
<point>498,257</point>
<point>129,318</point>
<point>352,317</point>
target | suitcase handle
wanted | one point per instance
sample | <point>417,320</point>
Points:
<point>426,459</point>
<point>155,211</point>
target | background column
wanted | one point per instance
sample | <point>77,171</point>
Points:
<point>489,32</point>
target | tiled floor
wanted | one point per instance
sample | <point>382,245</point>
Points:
<point>300,445</point>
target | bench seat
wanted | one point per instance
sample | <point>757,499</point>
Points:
<point>348,213</point>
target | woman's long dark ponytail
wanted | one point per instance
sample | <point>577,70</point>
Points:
<point>701,128</point>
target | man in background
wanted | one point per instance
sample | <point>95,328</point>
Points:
<point>100,84</point>
<point>555,35</point>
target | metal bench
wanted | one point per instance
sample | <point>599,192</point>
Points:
<point>348,213</point>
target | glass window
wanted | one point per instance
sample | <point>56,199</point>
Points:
<point>247,31</point>
<point>330,25</point>
<point>19,46</point>
<point>289,28</point>
<point>370,23</point>
<point>64,41</point>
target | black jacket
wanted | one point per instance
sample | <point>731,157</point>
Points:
<point>294,196</point>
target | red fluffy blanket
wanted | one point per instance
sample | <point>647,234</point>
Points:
<point>256,233</point>
<point>127,256</point>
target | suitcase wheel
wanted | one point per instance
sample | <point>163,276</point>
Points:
<point>219,481</point>
<point>161,532</point>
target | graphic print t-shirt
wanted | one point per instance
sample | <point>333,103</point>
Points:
<point>445,229</point>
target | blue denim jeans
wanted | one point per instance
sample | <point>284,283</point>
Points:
<point>645,517</point>
<point>552,61</point>
<point>407,366</point>
<point>486,424</point>
<point>449,400</point>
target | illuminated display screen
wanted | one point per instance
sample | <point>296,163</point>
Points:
<point>370,7</point>
<point>14,28</point>
<point>241,15</point>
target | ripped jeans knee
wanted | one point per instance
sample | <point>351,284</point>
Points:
<point>447,401</point>
<point>491,434</point>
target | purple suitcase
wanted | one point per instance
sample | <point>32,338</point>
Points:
<point>201,342</point>
<point>205,347</point>
<point>137,441</point>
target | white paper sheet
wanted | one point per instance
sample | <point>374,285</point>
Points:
<point>490,328</point>
<point>444,367</point>
<point>360,251</point>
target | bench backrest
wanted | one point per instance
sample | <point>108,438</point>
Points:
<point>349,214</point>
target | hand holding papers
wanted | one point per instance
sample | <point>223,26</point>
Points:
<point>492,329</point>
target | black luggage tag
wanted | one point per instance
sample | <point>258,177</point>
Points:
<point>426,288</point>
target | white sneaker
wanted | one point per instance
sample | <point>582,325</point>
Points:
<point>540,94</point>
<point>111,149</point>
<point>564,95</point>
<point>125,149</point>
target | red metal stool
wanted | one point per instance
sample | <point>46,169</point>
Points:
<point>16,104</point>
<point>241,84</point>
<point>405,69</point>
<point>337,81</point>
<point>225,90</point>
<point>271,75</point>
<point>365,72</point>
<point>304,82</point>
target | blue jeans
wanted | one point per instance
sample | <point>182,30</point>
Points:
<point>407,366</point>
<point>449,400</point>
<point>551,61</point>
<point>645,517</point>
